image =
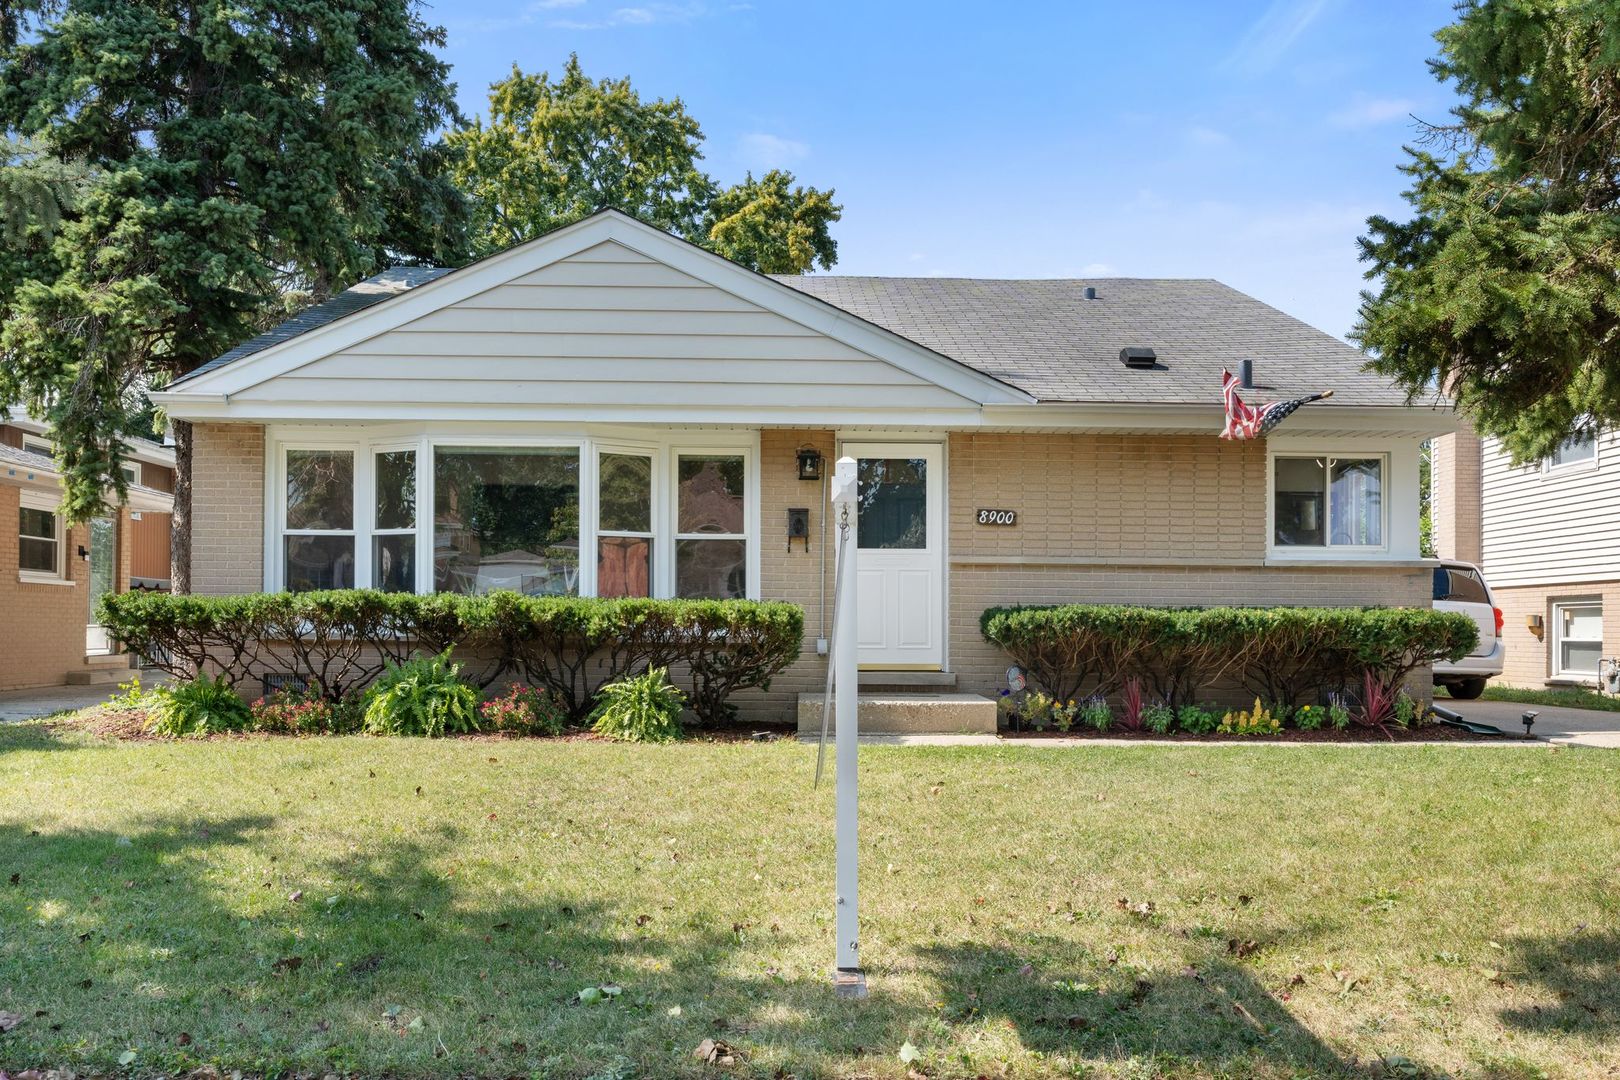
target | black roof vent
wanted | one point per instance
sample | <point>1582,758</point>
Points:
<point>1091,292</point>
<point>1136,357</point>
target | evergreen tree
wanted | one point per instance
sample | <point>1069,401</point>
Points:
<point>243,156</point>
<point>1503,286</point>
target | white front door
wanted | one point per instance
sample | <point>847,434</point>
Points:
<point>899,530</point>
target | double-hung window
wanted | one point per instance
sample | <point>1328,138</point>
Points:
<point>1321,501</point>
<point>41,539</point>
<point>1577,639</point>
<point>711,531</point>
<point>624,524</point>
<point>318,536</point>
<point>393,525</point>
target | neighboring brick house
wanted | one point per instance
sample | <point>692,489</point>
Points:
<point>51,575</point>
<point>610,390</point>
<point>1547,536</point>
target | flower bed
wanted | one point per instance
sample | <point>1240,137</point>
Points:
<point>343,640</point>
<point>1312,667</point>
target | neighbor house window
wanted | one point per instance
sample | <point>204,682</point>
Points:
<point>506,518</point>
<point>38,446</point>
<point>318,530</point>
<point>711,541</point>
<point>40,539</point>
<point>393,525</point>
<point>1328,501</point>
<point>131,471</point>
<point>1576,450</point>
<point>1577,639</point>
<point>624,529</point>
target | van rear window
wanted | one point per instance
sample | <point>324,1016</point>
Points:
<point>1459,585</point>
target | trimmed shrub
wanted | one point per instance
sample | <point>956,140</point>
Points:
<point>344,639</point>
<point>423,696</point>
<point>643,708</point>
<point>202,706</point>
<point>1288,655</point>
<point>525,710</point>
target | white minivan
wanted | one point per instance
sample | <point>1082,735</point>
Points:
<point>1459,586</point>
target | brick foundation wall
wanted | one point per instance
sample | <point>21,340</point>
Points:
<point>1529,661</point>
<point>41,626</point>
<point>227,508</point>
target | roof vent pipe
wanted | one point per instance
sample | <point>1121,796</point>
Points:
<point>1246,374</point>
<point>1091,292</point>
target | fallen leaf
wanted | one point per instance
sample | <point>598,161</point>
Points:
<point>1241,949</point>
<point>288,963</point>
<point>909,1053</point>
<point>295,896</point>
<point>8,1020</point>
<point>184,1038</point>
<point>127,1057</point>
<point>715,1052</point>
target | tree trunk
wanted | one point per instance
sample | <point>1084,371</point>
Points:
<point>180,523</point>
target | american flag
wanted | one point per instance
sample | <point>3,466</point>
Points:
<point>1246,421</point>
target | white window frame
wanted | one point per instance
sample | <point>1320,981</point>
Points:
<point>362,489</point>
<point>30,500</point>
<point>372,529</point>
<point>132,472</point>
<point>664,445</point>
<point>750,533</point>
<point>1551,468</point>
<point>1329,550</point>
<point>1559,640</point>
<point>655,511</point>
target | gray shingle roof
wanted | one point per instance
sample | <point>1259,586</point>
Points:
<point>358,297</point>
<point>1044,337</point>
<point>1040,335</point>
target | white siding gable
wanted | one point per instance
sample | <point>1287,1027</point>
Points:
<point>606,326</point>
<point>1545,526</point>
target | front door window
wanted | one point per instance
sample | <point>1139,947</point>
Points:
<point>892,503</point>
<point>103,579</point>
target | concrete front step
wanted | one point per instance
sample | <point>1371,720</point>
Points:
<point>910,714</point>
<point>102,669</point>
<point>909,682</point>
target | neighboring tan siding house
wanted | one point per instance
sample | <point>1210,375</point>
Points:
<point>51,574</point>
<point>1547,536</point>
<point>609,410</point>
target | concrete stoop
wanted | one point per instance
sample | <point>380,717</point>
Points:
<point>909,714</point>
<point>102,669</point>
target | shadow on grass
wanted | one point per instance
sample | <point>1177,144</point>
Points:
<point>185,941</point>
<point>1580,971</point>
<point>39,734</point>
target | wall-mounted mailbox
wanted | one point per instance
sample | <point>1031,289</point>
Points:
<point>798,526</point>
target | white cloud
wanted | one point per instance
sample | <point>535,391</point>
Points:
<point>640,15</point>
<point>762,150</point>
<point>1269,37</point>
<point>524,16</point>
<point>1367,111</point>
<point>1204,136</point>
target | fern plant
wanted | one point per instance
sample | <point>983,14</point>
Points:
<point>423,696</point>
<point>643,708</point>
<point>202,706</point>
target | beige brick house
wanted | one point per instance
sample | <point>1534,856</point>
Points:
<point>608,410</point>
<point>51,575</point>
<point>1547,537</point>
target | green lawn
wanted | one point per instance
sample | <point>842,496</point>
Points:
<point>415,908</point>
<point>1569,697</point>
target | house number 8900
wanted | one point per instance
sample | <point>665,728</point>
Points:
<point>998,517</point>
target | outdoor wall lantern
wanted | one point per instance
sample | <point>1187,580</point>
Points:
<point>1533,623</point>
<point>809,464</point>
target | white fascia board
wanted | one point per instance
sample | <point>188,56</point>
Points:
<point>412,304</point>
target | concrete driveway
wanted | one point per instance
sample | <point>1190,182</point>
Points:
<point>1574,727</point>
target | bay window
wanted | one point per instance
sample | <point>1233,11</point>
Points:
<point>564,516</point>
<point>711,544</point>
<point>1322,501</point>
<point>318,528</point>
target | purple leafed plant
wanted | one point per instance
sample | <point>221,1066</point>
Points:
<point>1377,703</point>
<point>1130,699</point>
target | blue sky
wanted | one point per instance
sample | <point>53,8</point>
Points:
<point>1245,142</point>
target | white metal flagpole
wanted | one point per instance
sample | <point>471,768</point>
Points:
<point>848,979</point>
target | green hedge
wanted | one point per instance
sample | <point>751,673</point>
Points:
<point>343,639</point>
<point>1287,655</point>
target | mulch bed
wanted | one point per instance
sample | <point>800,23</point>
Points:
<point>1438,733</point>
